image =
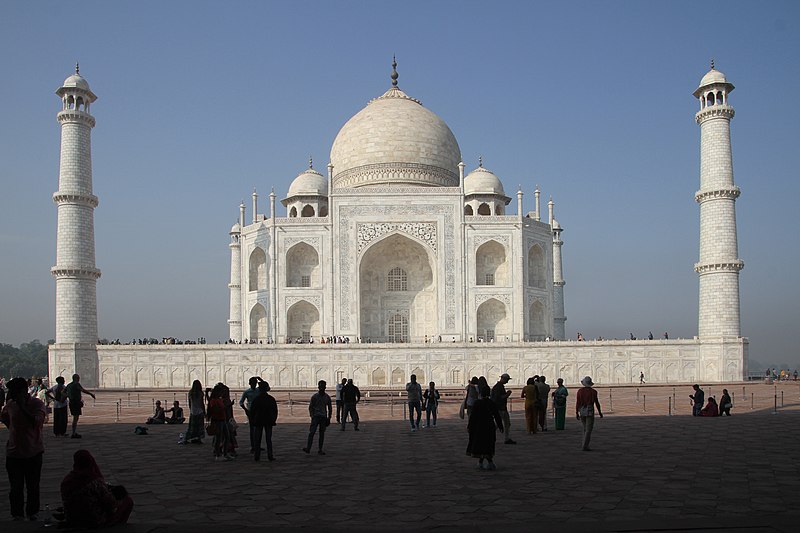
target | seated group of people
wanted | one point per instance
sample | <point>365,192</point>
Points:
<point>712,408</point>
<point>160,414</point>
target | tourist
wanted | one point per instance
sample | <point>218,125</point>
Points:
<point>499,396</point>
<point>24,418</point>
<point>89,502</point>
<point>725,403</point>
<point>41,393</point>
<point>245,402</point>
<point>176,413</point>
<point>232,425</point>
<point>531,395</point>
<point>484,421</point>
<point>641,375</point>
<point>320,410</point>
<point>58,393</point>
<point>560,404</point>
<point>74,391</point>
<point>414,391</point>
<point>339,402</point>
<point>263,416</point>
<point>197,414</point>
<point>350,397</point>
<point>711,408</point>
<point>430,402</point>
<point>697,399</point>
<point>159,416</point>
<point>585,402</point>
<point>470,395</point>
<point>218,424</point>
<point>795,374</point>
<point>544,394</point>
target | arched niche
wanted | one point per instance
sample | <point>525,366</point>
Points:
<point>491,267</point>
<point>537,272</point>
<point>537,325</point>
<point>258,270</point>
<point>308,211</point>
<point>396,283</point>
<point>302,266</point>
<point>302,321</point>
<point>492,320</point>
<point>258,323</point>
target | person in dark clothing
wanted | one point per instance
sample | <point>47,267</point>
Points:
<point>263,416</point>
<point>350,397</point>
<point>725,403</point>
<point>484,421</point>
<point>698,398</point>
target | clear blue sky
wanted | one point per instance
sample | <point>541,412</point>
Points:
<point>201,101</point>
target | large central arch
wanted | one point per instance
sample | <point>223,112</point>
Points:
<point>397,285</point>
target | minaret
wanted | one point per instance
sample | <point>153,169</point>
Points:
<point>559,316</point>
<point>719,264</point>
<point>75,272</point>
<point>235,286</point>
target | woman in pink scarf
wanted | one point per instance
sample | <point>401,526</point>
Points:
<point>88,500</point>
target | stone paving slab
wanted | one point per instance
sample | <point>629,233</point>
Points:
<point>646,472</point>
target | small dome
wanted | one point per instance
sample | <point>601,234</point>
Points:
<point>309,183</point>
<point>76,80</point>
<point>713,76</point>
<point>235,228</point>
<point>482,181</point>
<point>556,225</point>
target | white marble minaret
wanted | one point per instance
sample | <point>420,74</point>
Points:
<point>559,318</point>
<point>719,264</point>
<point>75,272</point>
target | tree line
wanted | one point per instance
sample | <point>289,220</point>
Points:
<point>29,360</point>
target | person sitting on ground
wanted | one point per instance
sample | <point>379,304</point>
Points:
<point>159,416</point>
<point>711,408</point>
<point>90,502</point>
<point>177,413</point>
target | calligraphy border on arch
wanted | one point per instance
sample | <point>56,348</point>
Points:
<point>369,231</point>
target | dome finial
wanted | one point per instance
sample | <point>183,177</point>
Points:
<point>480,161</point>
<point>712,63</point>
<point>77,68</point>
<point>394,71</point>
<point>310,162</point>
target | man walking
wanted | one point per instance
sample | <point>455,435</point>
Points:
<point>585,403</point>
<point>74,391</point>
<point>350,397</point>
<point>320,410</point>
<point>500,398</point>
<point>246,403</point>
<point>414,391</point>
<point>698,398</point>
<point>263,415</point>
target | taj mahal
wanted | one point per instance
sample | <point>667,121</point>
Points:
<point>408,260</point>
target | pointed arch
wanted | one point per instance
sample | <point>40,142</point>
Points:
<point>537,273</point>
<point>302,266</point>
<point>308,211</point>
<point>468,210</point>
<point>398,377</point>
<point>258,323</point>
<point>537,325</point>
<point>302,321</point>
<point>293,212</point>
<point>491,266</point>
<point>484,209</point>
<point>493,320</point>
<point>257,277</point>
<point>378,377</point>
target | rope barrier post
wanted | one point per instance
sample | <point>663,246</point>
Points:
<point>775,409</point>
<point>138,401</point>
<point>781,398</point>
<point>129,399</point>
<point>752,400</point>
<point>644,403</point>
<point>291,405</point>
<point>405,407</point>
<point>743,392</point>
<point>733,397</point>
<point>669,406</point>
<point>637,394</point>
<point>117,418</point>
<point>391,406</point>
<point>610,402</point>
<point>173,397</point>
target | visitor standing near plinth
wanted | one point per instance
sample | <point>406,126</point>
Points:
<point>484,421</point>
<point>585,402</point>
<point>197,414</point>
<point>339,401</point>
<point>218,423</point>
<point>246,402</point>
<point>544,394</point>
<point>531,395</point>
<point>74,392</point>
<point>560,404</point>
<point>350,398</point>
<point>697,398</point>
<point>320,410</point>
<point>24,417</point>
<point>263,417</point>
<point>58,393</point>
<point>430,402</point>
<point>499,396</point>
<point>414,391</point>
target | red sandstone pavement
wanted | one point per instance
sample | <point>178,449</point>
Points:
<point>647,471</point>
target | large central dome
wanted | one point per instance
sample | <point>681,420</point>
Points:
<point>395,141</point>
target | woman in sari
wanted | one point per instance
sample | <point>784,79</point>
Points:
<point>560,403</point>
<point>711,408</point>
<point>483,424</point>
<point>89,501</point>
<point>197,414</point>
<point>218,423</point>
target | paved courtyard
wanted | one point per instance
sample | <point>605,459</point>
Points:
<point>647,471</point>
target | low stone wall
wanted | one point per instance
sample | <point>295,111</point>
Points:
<point>448,364</point>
